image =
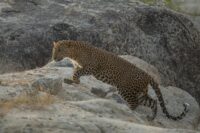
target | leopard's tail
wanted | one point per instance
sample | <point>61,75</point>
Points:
<point>162,103</point>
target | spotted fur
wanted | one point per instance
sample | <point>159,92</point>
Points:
<point>130,81</point>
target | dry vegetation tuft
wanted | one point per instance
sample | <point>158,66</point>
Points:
<point>38,101</point>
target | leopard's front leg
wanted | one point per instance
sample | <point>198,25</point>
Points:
<point>78,72</point>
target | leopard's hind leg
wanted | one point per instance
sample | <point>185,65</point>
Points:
<point>147,101</point>
<point>134,100</point>
<point>130,98</point>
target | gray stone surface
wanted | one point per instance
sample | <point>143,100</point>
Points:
<point>76,109</point>
<point>51,84</point>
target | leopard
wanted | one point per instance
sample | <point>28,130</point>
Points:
<point>130,81</point>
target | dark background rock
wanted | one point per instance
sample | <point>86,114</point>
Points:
<point>161,37</point>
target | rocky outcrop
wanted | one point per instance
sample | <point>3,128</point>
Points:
<point>81,107</point>
<point>161,37</point>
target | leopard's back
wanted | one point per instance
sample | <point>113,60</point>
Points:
<point>119,72</point>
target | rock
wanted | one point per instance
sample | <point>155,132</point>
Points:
<point>189,8</point>
<point>75,93</point>
<point>170,42</point>
<point>76,109</point>
<point>116,97</point>
<point>63,63</point>
<point>174,99</point>
<point>8,92</point>
<point>51,85</point>
<point>99,92</point>
<point>70,119</point>
<point>198,128</point>
<point>14,84</point>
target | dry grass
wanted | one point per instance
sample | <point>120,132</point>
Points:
<point>38,101</point>
<point>13,82</point>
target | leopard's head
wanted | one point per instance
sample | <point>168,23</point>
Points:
<point>62,49</point>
